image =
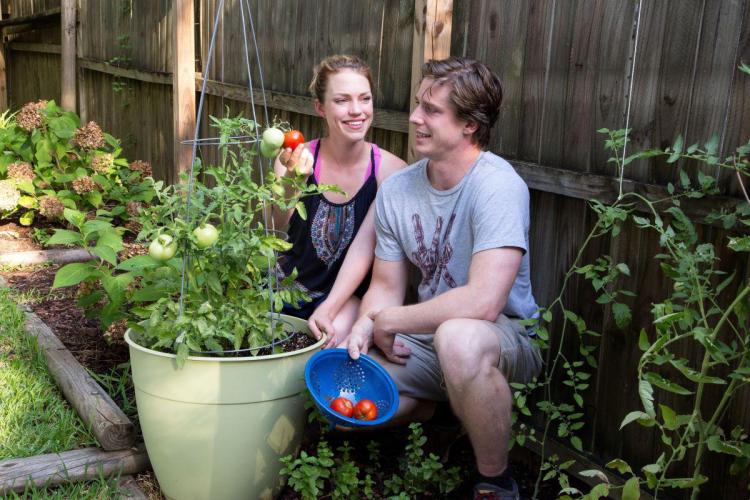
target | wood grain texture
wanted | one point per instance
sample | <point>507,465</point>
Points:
<point>112,428</point>
<point>70,466</point>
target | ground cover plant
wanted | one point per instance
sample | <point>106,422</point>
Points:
<point>34,417</point>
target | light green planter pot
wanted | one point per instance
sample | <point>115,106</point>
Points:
<point>216,428</point>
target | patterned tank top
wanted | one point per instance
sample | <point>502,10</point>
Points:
<point>320,242</point>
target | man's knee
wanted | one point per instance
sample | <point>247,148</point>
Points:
<point>462,348</point>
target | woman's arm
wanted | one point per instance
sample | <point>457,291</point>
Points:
<point>353,270</point>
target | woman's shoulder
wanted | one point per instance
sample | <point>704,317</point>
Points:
<point>389,163</point>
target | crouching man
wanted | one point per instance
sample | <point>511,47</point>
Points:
<point>460,215</point>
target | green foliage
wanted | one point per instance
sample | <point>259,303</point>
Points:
<point>704,311</point>
<point>34,417</point>
<point>420,473</point>
<point>337,475</point>
<point>71,166</point>
<point>213,298</point>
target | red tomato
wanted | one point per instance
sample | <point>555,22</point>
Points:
<point>343,406</point>
<point>292,139</point>
<point>365,410</point>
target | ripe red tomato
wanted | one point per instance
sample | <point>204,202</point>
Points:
<point>365,410</point>
<point>292,139</point>
<point>342,406</point>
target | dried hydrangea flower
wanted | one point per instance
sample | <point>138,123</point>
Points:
<point>51,207</point>
<point>133,226</point>
<point>21,170</point>
<point>116,331</point>
<point>30,117</point>
<point>84,185</point>
<point>133,208</point>
<point>141,166</point>
<point>103,163</point>
<point>9,196</point>
<point>90,136</point>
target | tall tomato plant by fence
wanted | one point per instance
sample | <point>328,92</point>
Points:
<point>708,307</point>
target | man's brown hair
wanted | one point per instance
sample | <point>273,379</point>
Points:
<point>476,92</point>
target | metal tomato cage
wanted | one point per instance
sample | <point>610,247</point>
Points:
<point>248,36</point>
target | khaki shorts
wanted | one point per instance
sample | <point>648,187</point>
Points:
<point>422,378</point>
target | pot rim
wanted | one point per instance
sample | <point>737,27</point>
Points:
<point>240,359</point>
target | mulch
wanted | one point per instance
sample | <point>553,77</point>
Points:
<point>83,337</point>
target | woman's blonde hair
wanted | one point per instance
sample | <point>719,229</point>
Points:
<point>331,65</point>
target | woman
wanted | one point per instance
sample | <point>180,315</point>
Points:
<point>333,248</point>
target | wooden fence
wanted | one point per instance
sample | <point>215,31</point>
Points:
<point>569,68</point>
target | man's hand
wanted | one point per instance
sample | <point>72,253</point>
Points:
<point>299,161</point>
<point>321,321</point>
<point>385,338</point>
<point>360,339</point>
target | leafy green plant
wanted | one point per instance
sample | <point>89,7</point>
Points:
<point>51,162</point>
<point>197,290</point>
<point>707,312</point>
<point>307,473</point>
<point>420,473</point>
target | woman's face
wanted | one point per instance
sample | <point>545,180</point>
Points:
<point>347,108</point>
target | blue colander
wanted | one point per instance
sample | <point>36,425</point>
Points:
<point>332,373</point>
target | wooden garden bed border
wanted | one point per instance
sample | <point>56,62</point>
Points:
<point>54,256</point>
<point>112,428</point>
<point>54,469</point>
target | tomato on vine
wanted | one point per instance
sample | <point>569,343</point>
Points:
<point>205,235</point>
<point>162,248</point>
<point>292,139</point>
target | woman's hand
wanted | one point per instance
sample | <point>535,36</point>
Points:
<point>360,339</point>
<point>299,161</point>
<point>321,321</point>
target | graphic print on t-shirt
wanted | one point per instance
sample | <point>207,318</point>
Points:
<point>332,230</point>
<point>433,261</point>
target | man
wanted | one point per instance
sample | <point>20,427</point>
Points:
<point>461,215</point>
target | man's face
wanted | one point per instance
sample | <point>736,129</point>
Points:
<point>438,131</point>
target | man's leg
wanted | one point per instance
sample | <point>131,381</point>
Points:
<point>469,353</point>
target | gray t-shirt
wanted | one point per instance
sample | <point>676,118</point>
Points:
<point>439,231</point>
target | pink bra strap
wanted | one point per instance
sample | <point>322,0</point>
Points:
<point>376,160</point>
<point>316,167</point>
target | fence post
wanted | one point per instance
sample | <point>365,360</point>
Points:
<point>68,55</point>
<point>432,40</point>
<point>183,90</point>
<point>3,78</point>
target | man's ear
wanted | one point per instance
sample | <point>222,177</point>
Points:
<point>470,128</point>
<point>319,109</point>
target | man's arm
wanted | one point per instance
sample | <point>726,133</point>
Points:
<point>491,276</point>
<point>387,289</point>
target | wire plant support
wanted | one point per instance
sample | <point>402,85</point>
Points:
<point>248,37</point>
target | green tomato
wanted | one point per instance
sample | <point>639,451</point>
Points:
<point>268,151</point>
<point>162,248</point>
<point>273,137</point>
<point>205,235</point>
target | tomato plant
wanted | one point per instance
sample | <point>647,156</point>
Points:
<point>343,406</point>
<point>162,248</point>
<point>292,139</point>
<point>365,409</point>
<point>205,235</point>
